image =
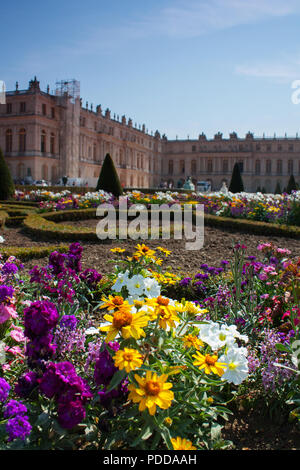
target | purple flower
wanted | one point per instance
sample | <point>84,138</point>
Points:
<point>68,321</point>
<point>70,414</point>
<point>40,347</point>
<point>224,262</point>
<point>18,428</point>
<point>6,292</point>
<point>104,367</point>
<point>14,408</point>
<point>185,282</point>
<point>57,262</point>
<point>26,383</point>
<point>10,268</point>
<point>40,318</point>
<point>91,277</point>
<point>4,390</point>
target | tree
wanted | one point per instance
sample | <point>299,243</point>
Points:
<point>278,188</point>
<point>236,184</point>
<point>108,179</point>
<point>292,186</point>
<point>7,187</point>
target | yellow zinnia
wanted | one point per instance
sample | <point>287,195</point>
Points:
<point>161,308</point>
<point>115,302</point>
<point>126,323</point>
<point>128,359</point>
<point>191,341</point>
<point>182,444</point>
<point>209,363</point>
<point>152,391</point>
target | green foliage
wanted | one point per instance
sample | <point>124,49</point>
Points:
<point>109,180</point>
<point>7,188</point>
<point>236,184</point>
<point>292,186</point>
<point>25,254</point>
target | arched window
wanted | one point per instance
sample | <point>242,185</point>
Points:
<point>8,141</point>
<point>52,143</point>
<point>279,167</point>
<point>43,141</point>
<point>290,167</point>
<point>22,140</point>
<point>268,167</point>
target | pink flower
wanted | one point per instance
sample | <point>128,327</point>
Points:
<point>15,350</point>
<point>17,334</point>
<point>7,312</point>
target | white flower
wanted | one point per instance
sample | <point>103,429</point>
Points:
<point>151,287</point>
<point>2,353</point>
<point>121,281</point>
<point>236,365</point>
<point>135,285</point>
<point>2,240</point>
<point>92,331</point>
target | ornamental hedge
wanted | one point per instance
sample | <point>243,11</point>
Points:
<point>26,253</point>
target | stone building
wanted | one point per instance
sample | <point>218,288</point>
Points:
<point>50,135</point>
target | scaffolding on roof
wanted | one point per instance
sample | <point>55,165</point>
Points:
<point>70,88</point>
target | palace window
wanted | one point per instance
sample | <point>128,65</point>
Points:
<point>268,167</point>
<point>43,141</point>
<point>22,107</point>
<point>44,109</point>
<point>22,140</point>
<point>279,167</point>
<point>182,166</point>
<point>290,167</point>
<point>8,108</point>
<point>209,166</point>
<point>257,167</point>
<point>8,140</point>
<point>193,167</point>
<point>52,143</point>
<point>225,166</point>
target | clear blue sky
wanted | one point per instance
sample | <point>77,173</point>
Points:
<point>179,66</point>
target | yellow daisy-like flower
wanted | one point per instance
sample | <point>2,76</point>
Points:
<point>152,391</point>
<point>115,302</point>
<point>163,250</point>
<point>182,444</point>
<point>117,250</point>
<point>126,323</point>
<point>191,341</point>
<point>128,359</point>
<point>144,250</point>
<point>161,308</point>
<point>209,363</point>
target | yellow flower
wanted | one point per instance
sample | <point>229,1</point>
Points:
<point>161,308</point>
<point>152,391</point>
<point>126,323</point>
<point>128,359</point>
<point>191,341</point>
<point>163,250</point>
<point>182,444</point>
<point>143,250</point>
<point>115,302</point>
<point>168,421</point>
<point>117,250</point>
<point>209,363</point>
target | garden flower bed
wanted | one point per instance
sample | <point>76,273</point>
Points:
<point>140,358</point>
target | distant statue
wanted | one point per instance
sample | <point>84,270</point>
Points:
<point>189,184</point>
<point>224,188</point>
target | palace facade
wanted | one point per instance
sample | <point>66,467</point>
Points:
<point>50,135</point>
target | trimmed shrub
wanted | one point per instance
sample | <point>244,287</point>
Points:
<point>109,180</point>
<point>7,187</point>
<point>25,254</point>
<point>292,186</point>
<point>236,184</point>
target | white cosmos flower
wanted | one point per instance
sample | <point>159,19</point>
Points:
<point>2,240</point>
<point>236,364</point>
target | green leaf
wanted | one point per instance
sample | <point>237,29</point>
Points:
<point>116,380</point>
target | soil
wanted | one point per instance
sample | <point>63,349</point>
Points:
<point>247,430</point>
